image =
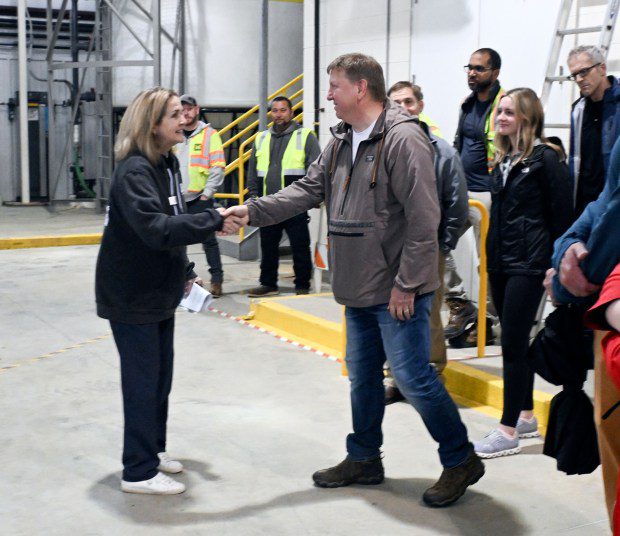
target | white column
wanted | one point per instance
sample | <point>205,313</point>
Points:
<point>23,101</point>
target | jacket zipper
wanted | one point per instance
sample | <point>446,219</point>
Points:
<point>347,181</point>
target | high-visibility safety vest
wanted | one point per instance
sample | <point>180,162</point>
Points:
<point>489,129</point>
<point>205,151</point>
<point>293,160</point>
<point>433,127</point>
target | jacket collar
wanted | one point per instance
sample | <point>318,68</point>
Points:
<point>393,114</point>
<point>292,127</point>
<point>495,89</point>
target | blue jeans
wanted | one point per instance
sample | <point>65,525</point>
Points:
<point>374,336</point>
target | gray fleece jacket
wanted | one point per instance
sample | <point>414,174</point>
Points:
<point>382,209</point>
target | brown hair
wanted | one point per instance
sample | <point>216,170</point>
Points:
<point>145,112</point>
<point>529,111</point>
<point>358,67</point>
<point>403,84</point>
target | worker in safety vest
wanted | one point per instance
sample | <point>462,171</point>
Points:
<point>474,141</point>
<point>280,156</point>
<point>201,159</point>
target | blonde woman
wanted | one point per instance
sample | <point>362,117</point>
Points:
<point>531,207</point>
<point>142,274</point>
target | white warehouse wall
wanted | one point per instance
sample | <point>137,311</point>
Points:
<point>222,49</point>
<point>430,40</point>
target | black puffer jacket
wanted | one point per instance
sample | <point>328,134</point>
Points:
<point>142,265</point>
<point>528,213</point>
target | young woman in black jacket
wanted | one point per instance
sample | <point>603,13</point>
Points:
<point>531,207</point>
<point>142,274</point>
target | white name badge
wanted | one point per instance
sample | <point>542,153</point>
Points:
<point>173,200</point>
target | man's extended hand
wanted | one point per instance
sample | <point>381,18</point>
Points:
<point>571,274</point>
<point>401,304</point>
<point>234,218</point>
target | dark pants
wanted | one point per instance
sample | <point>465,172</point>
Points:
<point>210,245</point>
<point>146,354</point>
<point>516,298</point>
<point>297,231</point>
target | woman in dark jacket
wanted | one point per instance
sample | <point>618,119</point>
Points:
<point>531,207</point>
<point>142,274</point>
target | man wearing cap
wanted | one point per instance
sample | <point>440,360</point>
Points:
<point>201,159</point>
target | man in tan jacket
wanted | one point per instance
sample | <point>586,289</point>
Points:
<point>377,180</point>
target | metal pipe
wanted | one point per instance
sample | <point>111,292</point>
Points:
<point>23,101</point>
<point>183,60</point>
<point>52,42</point>
<point>387,41</point>
<point>173,40</point>
<point>156,7</point>
<point>129,28</point>
<point>74,49</point>
<point>263,59</point>
<point>317,56</point>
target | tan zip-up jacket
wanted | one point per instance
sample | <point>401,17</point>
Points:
<point>382,209</point>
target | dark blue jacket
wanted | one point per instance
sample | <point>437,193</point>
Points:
<point>610,128</point>
<point>598,228</point>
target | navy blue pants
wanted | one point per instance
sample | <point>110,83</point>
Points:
<point>210,246</point>
<point>146,352</point>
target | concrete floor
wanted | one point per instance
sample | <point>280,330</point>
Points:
<point>251,418</point>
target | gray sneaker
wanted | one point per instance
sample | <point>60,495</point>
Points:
<point>496,444</point>
<point>527,429</point>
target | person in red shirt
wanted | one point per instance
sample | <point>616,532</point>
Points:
<point>605,315</point>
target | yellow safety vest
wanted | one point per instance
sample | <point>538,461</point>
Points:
<point>432,126</point>
<point>293,160</point>
<point>205,152</point>
<point>489,129</point>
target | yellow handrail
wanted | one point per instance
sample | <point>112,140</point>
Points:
<point>255,124</point>
<point>254,109</point>
<point>482,291</point>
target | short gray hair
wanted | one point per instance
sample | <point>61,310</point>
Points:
<point>595,53</point>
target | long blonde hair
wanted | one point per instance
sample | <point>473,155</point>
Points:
<point>144,113</point>
<point>529,112</point>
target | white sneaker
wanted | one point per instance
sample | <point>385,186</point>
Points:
<point>160,484</point>
<point>168,465</point>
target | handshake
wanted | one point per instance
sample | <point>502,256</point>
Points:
<point>234,218</point>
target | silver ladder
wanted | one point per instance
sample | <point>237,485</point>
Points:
<point>605,31</point>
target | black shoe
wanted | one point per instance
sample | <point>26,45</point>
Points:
<point>453,482</point>
<point>350,472</point>
<point>302,291</point>
<point>262,291</point>
<point>469,338</point>
<point>393,394</point>
<point>462,314</point>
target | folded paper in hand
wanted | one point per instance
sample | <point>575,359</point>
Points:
<point>197,300</point>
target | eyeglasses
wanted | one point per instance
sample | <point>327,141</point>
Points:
<point>583,73</point>
<point>476,68</point>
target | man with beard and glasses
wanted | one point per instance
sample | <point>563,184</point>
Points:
<point>474,142</point>
<point>280,156</point>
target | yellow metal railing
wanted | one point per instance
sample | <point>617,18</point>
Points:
<point>238,163</point>
<point>482,291</point>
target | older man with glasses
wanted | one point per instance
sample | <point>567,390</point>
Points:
<point>474,142</point>
<point>595,123</point>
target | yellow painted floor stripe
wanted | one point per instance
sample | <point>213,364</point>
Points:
<point>468,386</point>
<point>25,242</point>
<point>55,352</point>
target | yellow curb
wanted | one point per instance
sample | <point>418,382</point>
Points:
<point>50,241</point>
<point>304,328</point>
<point>478,389</point>
<point>467,385</point>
